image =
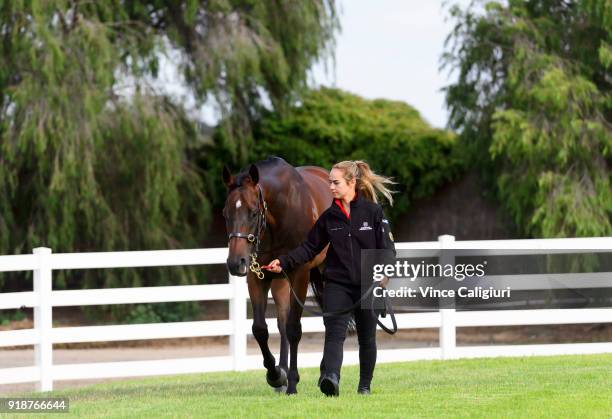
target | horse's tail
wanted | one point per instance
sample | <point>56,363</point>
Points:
<point>316,283</point>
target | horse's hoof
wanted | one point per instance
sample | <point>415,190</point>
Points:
<point>291,392</point>
<point>281,389</point>
<point>281,379</point>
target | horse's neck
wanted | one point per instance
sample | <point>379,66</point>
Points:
<point>284,228</point>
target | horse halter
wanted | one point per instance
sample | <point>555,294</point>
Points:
<point>255,238</point>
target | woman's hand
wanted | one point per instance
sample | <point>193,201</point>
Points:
<point>273,266</point>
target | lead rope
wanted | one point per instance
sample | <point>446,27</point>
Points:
<point>388,308</point>
<point>254,266</point>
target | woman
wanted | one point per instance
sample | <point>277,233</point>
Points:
<point>354,221</point>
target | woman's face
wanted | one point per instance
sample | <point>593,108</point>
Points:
<point>338,185</point>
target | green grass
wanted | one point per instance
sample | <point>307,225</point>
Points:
<point>561,386</point>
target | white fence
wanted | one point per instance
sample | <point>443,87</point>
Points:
<point>238,326</point>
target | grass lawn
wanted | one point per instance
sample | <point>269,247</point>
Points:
<point>560,386</point>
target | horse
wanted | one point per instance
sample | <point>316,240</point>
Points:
<point>269,210</point>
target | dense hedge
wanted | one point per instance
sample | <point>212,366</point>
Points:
<point>331,125</point>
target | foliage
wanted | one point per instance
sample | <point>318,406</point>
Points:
<point>533,106</point>
<point>83,169</point>
<point>161,313</point>
<point>330,125</point>
<point>8,316</point>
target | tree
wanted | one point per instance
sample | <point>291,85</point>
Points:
<point>533,105</point>
<point>83,168</point>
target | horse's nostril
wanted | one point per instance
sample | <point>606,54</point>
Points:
<point>243,261</point>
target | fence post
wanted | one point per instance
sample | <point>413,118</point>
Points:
<point>238,316</point>
<point>43,320</point>
<point>448,331</point>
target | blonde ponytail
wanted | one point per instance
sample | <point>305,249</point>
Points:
<point>368,182</point>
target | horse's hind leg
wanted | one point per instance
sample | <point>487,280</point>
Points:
<point>294,326</point>
<point>258,291</point>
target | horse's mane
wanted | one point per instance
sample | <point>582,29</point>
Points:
<point>271,162</point>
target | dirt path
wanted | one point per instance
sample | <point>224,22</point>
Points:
<point>312,342</point>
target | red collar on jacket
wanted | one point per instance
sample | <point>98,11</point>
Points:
<point>337,201</point>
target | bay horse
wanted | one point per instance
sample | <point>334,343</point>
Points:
<point>269,210</point>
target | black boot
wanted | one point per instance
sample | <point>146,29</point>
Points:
<point>363,388</point>
<point>330,385</point>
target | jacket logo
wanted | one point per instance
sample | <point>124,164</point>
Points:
<point>365,226</point>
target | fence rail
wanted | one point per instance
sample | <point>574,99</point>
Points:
<point>43,336</point>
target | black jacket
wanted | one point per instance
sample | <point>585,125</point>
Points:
<point>367,229</point>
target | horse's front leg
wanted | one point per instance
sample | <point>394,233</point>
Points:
<point>282,295</point>
<point>258,291</point>
<point>294,326</point>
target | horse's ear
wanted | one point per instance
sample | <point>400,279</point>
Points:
<point>254,174</point>
<point>228,179</point>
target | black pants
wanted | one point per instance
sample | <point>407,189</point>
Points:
<point>337,297</point>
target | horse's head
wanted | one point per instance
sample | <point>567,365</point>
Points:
<point>245,218</point>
